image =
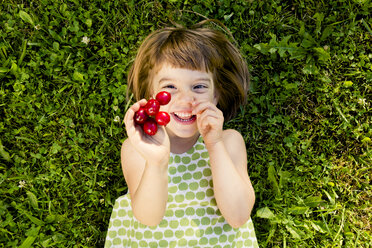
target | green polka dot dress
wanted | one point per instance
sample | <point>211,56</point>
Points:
<point>192,218</point>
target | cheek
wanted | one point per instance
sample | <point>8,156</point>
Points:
<point>205,97</point>
<point>165,108</point>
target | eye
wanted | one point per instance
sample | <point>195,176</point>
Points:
<point>169,86</point>
<point>200,87</point>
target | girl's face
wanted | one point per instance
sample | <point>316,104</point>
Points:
<point>187,88</point>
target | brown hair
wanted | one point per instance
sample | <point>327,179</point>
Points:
<point>195,49</point>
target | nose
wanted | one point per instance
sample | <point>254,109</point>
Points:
<point>186,97</point>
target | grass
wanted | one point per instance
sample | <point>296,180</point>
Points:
<point>307,125</point>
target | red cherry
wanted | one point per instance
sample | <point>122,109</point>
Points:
<point>152,107</point>
<point>162,118</point>
<point>140,116</point>
<point>150,127</point>
<point>163,97</point>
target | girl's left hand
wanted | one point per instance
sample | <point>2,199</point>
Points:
<point>210,122</point>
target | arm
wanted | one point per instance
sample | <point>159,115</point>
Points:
<point>232,187</point>
<point>144,162</point>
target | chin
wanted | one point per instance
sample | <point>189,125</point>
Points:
<point>185,133</point>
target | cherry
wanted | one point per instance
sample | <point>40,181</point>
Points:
<point>163,97</point>
<point>162,118</point>
<point>149,117</point>
<point>140,116</point>
<point>152,107</point>
<point>150,127</point>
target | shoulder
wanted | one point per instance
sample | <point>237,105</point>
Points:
<point>230,136</point>
<point>234,144</point>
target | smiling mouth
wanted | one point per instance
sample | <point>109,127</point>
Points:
<point>185,118</point>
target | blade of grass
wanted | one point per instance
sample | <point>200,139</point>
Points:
<point>341,224</point>
<point>23,54</point>
<point>367,26</point>
<point>30,239</point>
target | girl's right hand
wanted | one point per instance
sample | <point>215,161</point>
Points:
<point>154,149</point>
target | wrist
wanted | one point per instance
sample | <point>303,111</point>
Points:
<point>214,146</point>
<point>161,163</point>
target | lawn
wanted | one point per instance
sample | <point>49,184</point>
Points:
<point>307,125</point>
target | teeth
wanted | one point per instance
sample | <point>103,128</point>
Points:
<point>183,115</point>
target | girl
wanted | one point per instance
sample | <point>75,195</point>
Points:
<point>188,184</point>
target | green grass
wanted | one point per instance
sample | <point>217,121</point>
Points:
<point>307,125</point>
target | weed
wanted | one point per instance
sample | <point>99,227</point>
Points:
<point>63,67</point>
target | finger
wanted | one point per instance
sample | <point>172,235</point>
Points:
<point>208,120</point>
<point>130,126</point>
<point>211,111</point>
<point>128,118</point>
<point>133,109</point>
<point>139,104</point>
<point>215,118</point>
<point>202,106</point>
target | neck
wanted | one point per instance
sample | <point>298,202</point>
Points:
<point>180,145</point>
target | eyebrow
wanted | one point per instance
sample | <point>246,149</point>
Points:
<point>197,79</point>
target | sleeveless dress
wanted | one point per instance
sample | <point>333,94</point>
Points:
<point>192,218</point>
